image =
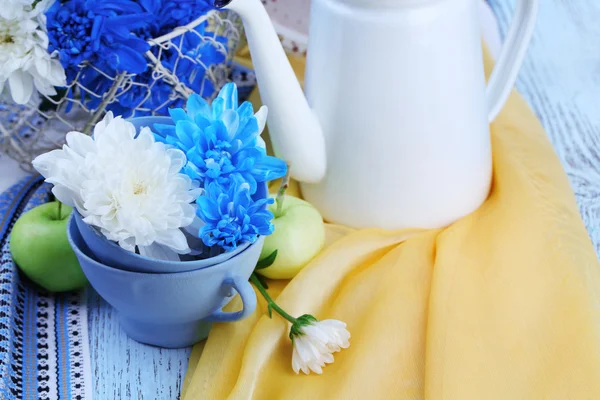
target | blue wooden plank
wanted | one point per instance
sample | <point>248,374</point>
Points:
<point>561,81</point>
<point>124,369</point>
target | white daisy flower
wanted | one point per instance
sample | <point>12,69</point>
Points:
<point>128,187</point>
<point>24,59</point>
<point>315,342</point>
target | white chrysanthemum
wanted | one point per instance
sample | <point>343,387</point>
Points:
<point>315,342</point>
<point>24,59</point>
<point>130,188</point>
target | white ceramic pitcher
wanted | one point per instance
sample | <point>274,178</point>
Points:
<point>394,129</point>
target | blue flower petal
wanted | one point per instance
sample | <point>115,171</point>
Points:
<point>231,121</point>
<point>269,168</point>
<point>124,58</point>
<point>202,121</point>
<point>177,114</point>
<point>193,172</point>
<point>259,204</point>
<point>229,95</point>
<point>207,210</point>
<point>246,110</point>
<point>218,106</point>
<point>248,133</point>
<point>122,25</point>
<point>223,203</point>
<point>197,106</point>
<point>185,131</point>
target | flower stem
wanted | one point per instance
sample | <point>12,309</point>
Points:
<point>285,183</point>
<point>272,305</point>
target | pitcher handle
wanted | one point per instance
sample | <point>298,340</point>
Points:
<point>246,292</point>
<point>511,57</point>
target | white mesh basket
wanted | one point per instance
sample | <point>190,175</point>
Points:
<point>176,69</point>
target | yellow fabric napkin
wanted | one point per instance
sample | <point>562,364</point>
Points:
<point>503,304</point>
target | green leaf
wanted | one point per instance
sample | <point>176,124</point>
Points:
<point>262,281</point>
<point>267,261</point>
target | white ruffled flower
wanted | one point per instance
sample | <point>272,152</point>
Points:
<point>130,188</point>
<point>24,59</point>
<point>315,342</point>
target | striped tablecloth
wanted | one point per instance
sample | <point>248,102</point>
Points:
<point>44,349</point>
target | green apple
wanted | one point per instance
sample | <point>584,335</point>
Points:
<point>298,237</point>
<point>39,246</point>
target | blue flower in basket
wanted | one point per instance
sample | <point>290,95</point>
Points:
<point>152,95</point>
<point>147,96</point>
<point>199,54</point>
<point>231,216</point>
<point>171,14</point>
<point>221,140</point>
<point>98,31</point>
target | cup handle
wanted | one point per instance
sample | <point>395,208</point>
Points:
<point>511,56</point>
<point>246,292</point>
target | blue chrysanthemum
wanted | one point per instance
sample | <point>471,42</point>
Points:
<point>152,95</point>
<point>98,31</point>
<point>231,216</point>
<point>221,140</point>
<point>171,14</point>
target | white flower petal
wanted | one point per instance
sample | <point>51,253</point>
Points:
<point>14,9</point>
<point>195,226</point>
<point>195,193</point>
<point>315,344</point>
<point>45,162</point>
<point>21,87</point>
<point>43,87</point>
<point>146,137</point>
<point>64,195</point>
<point>127,244</point>
<point>297,365</point>
<point>28,25</point>
<point>261,118</point>
<point>80,143</point>
<point>187,216</point>
<point>178,161</point>
<point>261,143</point>
<point>101,126</point>
<point>42,67</point>
<point>57,76</point>
<point>175,239</point>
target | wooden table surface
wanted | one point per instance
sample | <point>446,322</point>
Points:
<point>561,81</point>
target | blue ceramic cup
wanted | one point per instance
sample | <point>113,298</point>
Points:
<point>110,253</point>
<point>171,310</point>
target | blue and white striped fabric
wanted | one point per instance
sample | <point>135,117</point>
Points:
<point>44,348</point>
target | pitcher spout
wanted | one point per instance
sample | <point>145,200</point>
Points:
<point>295,132</point>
